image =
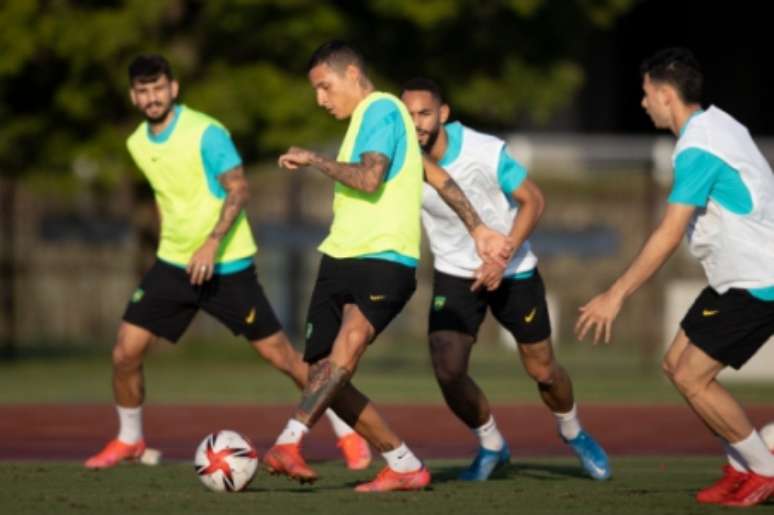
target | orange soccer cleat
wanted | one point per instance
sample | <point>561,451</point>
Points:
<point>286,459</point>
<point>355,450</point>
<point>755,489</point>
<point>388,481</point>
<point>723,487</point>
<point>114,453</point>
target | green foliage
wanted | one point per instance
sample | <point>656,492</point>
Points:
<point>63,99</point>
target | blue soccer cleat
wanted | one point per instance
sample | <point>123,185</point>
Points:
<point>486,463</point>
<point>591,455</point>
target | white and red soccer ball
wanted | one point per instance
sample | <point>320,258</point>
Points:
<point>226,461</point>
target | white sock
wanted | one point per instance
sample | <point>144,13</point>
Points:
<point>489,436</point>
<point>755,453</point>
<point>734,458</point>
<point>129,424</point>
<point>401,459</point>
<point>340,427</point>
<point>568,423</point>
<point>293,433</point>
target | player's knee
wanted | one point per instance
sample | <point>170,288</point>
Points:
<point>686,381</point>
<point>541,367</point>
<point>668,368</point>
<point>124,358</point>
<point>357,338</point>
<point>541,373</point>
<point>277,352</point>
<point>449,366</point>
<point>449,372</point>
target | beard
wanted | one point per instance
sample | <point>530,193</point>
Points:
<point>160,118</point>
<point>432,136</point>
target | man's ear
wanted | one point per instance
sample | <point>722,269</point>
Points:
<point>445,112</point>
<point>353,73</point>
<point>175,86</point>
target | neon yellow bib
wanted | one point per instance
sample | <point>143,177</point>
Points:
<point>189,209</point>
<point>389,218</point>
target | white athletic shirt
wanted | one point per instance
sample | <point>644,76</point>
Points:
<point>473,160</point>
<point>732,231</point>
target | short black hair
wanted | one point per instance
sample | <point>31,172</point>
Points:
<point>148,68</point>
<point>423,84</point>
<point>336,54</point>
<point>678,67</point>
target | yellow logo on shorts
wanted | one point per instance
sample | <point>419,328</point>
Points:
<point>250,318</point>
<point>710,312</point>
<point>376,298</point>
<point>530,316</point>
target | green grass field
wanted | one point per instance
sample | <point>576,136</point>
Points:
<point>394,372</point>
<point>644,486</point>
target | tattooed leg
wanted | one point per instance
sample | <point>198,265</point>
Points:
<point>325,380</point>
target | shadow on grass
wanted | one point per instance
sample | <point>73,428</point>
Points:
<point>515,470</point>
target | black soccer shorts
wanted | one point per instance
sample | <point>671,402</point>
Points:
<point>730,327</point>
<point>379,288</point>
<point>518,304</point>
<point>166,302</point>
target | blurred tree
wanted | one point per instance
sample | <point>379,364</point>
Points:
<point>63,85</point>
<point>65,115</point>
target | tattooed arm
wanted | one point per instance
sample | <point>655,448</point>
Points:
<point>490,244</point>
<point>201,265</point>
<point>367,175</point>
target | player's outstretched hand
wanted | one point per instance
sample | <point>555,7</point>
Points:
<point>491,246</point>
<point>598,314</point>
<point>295,158</point>
<point>488,275</point>
<point>201,267</point>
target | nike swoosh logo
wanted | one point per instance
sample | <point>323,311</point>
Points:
<point>250,317</point>
<point>528,318</point>
<point>599,471</point>
<point>710,312</point>
<point>376,298</point>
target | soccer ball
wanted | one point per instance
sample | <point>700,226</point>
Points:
<point>225,461</point>
<point>767,433</point>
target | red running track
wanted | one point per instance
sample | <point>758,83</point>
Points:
<point>72,432</point>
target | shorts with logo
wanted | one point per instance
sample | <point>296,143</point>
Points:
<point>730,327</point>
<point>378,287</point>
<point>519,305</point>
<point>166,302</point>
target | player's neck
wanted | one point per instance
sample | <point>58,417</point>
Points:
<point>440,145</point>
<point>362,92</point>
<point>681,115</point>
<point>159,126</point>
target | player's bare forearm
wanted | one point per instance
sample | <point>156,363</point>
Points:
<point>325,380</point>
<point>364,176</point>
<point>235,184</point>
<point>456,199</point>
<point>451,193</point>
<point>657,249</point>
<point>531,205</point>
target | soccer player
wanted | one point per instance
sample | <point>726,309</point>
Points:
<point>723,199</point>
<point>464,288</point>
<point>367,271</point>
<point>204,259</point>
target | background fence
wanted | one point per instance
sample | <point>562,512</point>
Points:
<point>71,261</point>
